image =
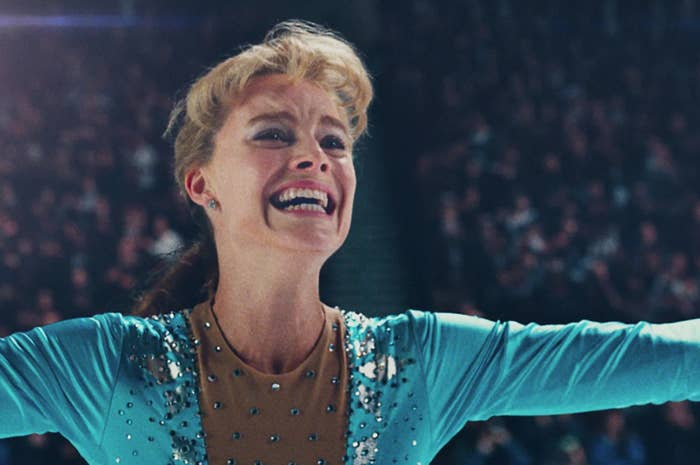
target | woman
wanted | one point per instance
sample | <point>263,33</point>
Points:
<point>251,367</point>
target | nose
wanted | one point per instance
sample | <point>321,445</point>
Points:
<point>311,157</point>
<point>309,165</point>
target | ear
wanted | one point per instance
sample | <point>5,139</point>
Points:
<point>197,186</point>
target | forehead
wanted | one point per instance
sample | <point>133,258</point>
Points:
<point>277,93</point>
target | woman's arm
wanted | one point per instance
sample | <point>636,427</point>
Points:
<point>59,378</point>
<point>477,368</point>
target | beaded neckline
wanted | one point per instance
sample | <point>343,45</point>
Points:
<point>232,351</point>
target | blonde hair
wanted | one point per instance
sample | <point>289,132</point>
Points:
<point>300,50</point>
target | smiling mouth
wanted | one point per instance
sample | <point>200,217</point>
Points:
<point>298,202</point>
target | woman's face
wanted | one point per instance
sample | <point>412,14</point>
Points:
<point>283,144</point>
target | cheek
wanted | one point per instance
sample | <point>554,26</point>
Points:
<point>249,177</point>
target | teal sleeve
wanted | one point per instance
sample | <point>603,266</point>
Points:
<point>476,369</point>
<point>59,378</point>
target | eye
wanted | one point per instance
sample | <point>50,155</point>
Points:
<point>274,135</point>
<point>333,143</point>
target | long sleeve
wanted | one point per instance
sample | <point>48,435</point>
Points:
<point>476,368</point>
<point>59,378</point>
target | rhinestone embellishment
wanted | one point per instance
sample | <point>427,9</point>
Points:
<point>378,380</point>
<point>161,349</point>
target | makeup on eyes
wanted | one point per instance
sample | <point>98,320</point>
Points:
<point>274,133</point>
<point>332,140</point>
<point>289,118</point>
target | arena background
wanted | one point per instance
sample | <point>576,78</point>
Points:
<point>534,161</point>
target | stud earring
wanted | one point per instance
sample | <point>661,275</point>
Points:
<point>213,204</point>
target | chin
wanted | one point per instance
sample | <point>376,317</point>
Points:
<point>327,249</point>
<point>308,243</point>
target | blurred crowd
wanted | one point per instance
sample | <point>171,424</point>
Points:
<point>86,203</point>
<point>556,171</point>
<point>84,178</point>
<point>558,168</point>
<point>555,178</point>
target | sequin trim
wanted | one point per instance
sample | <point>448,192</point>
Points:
<point>372,371</point>
<point>166,355</point>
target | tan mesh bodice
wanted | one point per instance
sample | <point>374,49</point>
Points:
<point>250,417</point>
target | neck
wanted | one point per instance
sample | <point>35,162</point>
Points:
<point>269,308</point>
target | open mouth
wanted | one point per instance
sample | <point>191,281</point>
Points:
<point>293,199</point>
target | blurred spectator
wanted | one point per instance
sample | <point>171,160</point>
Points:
<point>551,438</point>
<point>144,160</point>
<point>166,240</point>
<point>676,436</point>
<point>483,443</point>
<point>616,445</point>
<point>569,451</point>
<point>495,446</point>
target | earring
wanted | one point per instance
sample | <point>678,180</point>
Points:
<point>213,204</point>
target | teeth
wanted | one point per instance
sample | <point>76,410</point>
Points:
<point>306,206</point>
<point>294,192</point>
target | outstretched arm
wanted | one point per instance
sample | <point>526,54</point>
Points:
<point>59,378</point>
<point>479,368</point>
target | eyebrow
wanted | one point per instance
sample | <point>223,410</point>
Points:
<point>285,115</point>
